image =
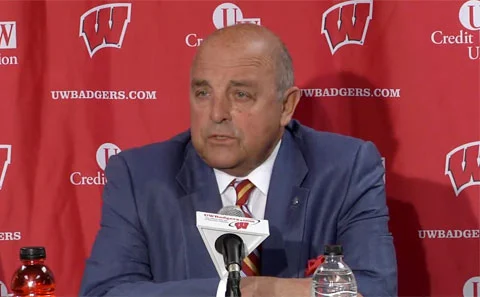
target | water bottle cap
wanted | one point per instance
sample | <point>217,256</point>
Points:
<point>32,253</point>
<point>333,250</point>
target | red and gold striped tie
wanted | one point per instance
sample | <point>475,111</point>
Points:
<point>251,263</point>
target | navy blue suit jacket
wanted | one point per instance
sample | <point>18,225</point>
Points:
<point>325,189</point>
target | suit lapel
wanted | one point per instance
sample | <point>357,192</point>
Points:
<point>198,181</point>
<point>201,194</point>
<point>283,251</point>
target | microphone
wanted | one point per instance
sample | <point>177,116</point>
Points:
<point>233,211</point>
<point>232,248</point>
<point>229,237</point>
<point>230,245</point>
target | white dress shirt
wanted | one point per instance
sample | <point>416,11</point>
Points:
<point>257,201</point>
<point>260,177</point>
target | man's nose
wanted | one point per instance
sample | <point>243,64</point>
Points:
<point>220,109</point>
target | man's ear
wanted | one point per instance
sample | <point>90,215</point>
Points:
<point>290,101</point>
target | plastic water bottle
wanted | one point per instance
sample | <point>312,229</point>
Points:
<point>333,278</point>
<point>33,278</point>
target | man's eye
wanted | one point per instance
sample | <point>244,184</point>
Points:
<point>201,93</point>
<point>242,95</point>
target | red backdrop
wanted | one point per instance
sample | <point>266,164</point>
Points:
<point>76,89</point>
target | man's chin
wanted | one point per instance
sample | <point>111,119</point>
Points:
<point>221,158</point>
<point>221,164</point>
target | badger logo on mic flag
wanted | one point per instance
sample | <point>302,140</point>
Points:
<point>105,26</point>
<point>241,225</point>
<point>211,226</point>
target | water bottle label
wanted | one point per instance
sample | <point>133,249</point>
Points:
<point>339,294</point>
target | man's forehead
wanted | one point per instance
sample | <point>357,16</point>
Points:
<point>224,75</point>
<point>201,82</point>
<point>223,53</point>
<point>243,65</point>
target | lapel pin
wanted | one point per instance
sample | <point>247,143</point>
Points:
<point>295,201</point>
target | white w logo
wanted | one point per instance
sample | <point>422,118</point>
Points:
<point>5,159</point>
<point>8,35</point>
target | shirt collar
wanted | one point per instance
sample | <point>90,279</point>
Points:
<point>260,176</point>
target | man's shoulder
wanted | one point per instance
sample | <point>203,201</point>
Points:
<point>163,154</point>
<point>322,142</point>
<point>323,150</point>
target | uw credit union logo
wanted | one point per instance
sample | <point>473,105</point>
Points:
<point>228,14</point>
<point>104,152</point>
<point>224,15</point>
<point>469,18</point>
<point>472,287</point>
<point>8,41</point>
<point>469,15</point>
<point>8,35</point>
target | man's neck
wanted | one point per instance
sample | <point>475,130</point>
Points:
<point>243,171</point>
<point>260,176</point>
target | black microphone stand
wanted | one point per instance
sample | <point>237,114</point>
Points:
<point>233,284</point>
<point>232,248</point>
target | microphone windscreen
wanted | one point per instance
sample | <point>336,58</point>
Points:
<point>233,211</point>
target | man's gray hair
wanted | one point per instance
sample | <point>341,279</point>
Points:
<point>283,70</point>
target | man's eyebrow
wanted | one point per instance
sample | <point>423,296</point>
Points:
<point>243,83</point>
<point>199,83</point>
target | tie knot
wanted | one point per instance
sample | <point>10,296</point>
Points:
<point>243,189</point>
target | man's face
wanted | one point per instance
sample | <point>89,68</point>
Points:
<point>235,111</point>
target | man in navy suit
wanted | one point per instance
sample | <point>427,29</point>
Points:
<point>314,188</point>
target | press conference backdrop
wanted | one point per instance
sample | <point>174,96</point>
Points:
<point>83,80</point>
